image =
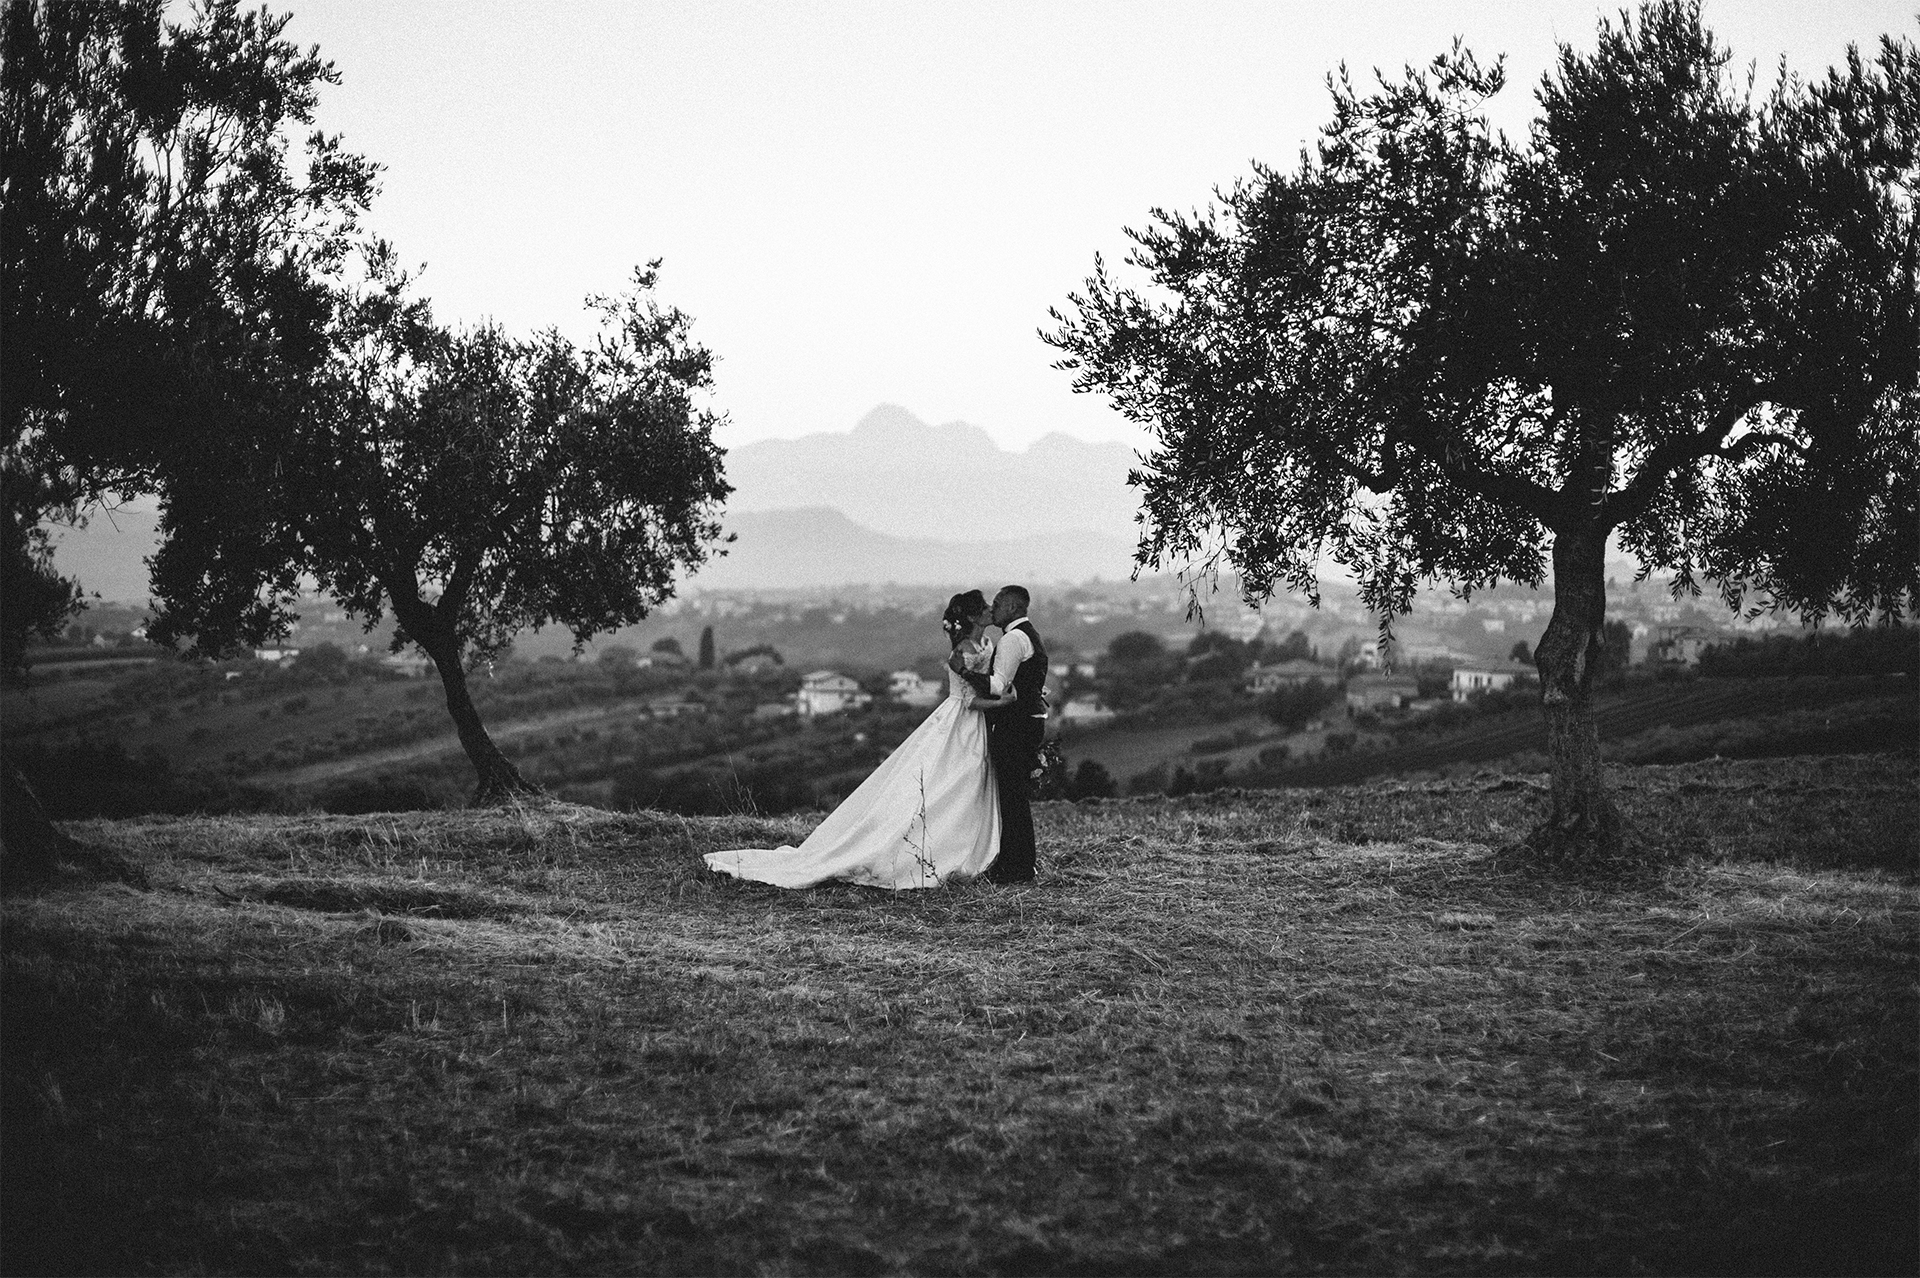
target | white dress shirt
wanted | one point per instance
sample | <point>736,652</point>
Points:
<point>1015,646</point>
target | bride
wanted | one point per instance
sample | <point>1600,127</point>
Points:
<point>928,815</point>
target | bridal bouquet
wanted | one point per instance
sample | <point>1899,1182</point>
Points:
<point>1049,775</point>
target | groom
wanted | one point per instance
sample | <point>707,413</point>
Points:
<point>1014,731</point>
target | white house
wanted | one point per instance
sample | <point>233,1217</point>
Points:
<point>828,692</point>
<point>1083,711</point>
<point>1380,691</point>
<point>1678,645</point>
<point>411,664</point>
<point>1492,676</point>
<point>908,688</point>
<point>1288,674</point>
<point>270,654</point>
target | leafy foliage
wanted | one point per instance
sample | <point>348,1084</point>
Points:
<point>480,485</point>
<point>166,252</point>
<point>1430,349</point>
<point>1878,650</point>
<point>1291,707</point>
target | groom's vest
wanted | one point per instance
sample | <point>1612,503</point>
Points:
<point>1030,677</point>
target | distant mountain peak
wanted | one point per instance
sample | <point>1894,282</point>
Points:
<point>886,419</point>
<point>891,426</point>
<point>895,474</point>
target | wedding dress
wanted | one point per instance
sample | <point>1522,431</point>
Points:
<point>928,815</point>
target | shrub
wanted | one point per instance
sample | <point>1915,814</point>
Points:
<point>1091,781</point>
<point>1872,650</point>
<point>382,794</point>
<point>1291,707</point>
<point>1152,781</point>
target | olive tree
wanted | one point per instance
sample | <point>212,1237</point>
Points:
<point>472,484</point>
<point>1678,313</point>
<point>170,232</point>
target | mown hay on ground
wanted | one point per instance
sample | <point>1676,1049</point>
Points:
<point>1326,1031</point>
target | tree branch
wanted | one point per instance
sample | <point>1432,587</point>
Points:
<point>1757,439</point>
<point>1514,490</point>
<point>454,598</point>
<point>1671,454</point>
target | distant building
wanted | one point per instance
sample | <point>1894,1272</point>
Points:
<point>828,692</point>
<point>754,663</point>
<point>411,664</point>
<point>1288,674</point>
<point>908,688</point>
<point>1678,645</point>
<point>773,710</point>
<point>1472,679</point>
<point>1380,692</point>
<point>275,654</point>
<point>673,707</point>
<point>1084,711</point>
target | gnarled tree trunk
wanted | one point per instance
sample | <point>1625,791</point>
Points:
<point>497,778</point>
<point>32,847</point>
<point>29,842</point>
<point>1584,822</point>
<point>430,627</point>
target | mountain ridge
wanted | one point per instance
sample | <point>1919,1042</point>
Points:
<point>901,477</point>
<point>821,546</point>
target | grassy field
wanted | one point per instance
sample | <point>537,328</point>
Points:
<point>1316,1031</point>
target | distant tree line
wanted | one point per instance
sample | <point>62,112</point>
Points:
<point>1871,651</point>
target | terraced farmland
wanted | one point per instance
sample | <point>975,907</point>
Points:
<point>1621,716</point>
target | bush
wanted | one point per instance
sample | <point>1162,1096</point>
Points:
<point>1152,781</point>
<point>1091,781</point>
<point>103,780</point>
<point>383,794</point>
<point>1291,707</point>
<point>1873,650</point>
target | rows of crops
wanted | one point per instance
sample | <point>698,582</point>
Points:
<point>1620,714</point>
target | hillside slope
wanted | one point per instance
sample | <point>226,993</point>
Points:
<point>1330,1031</point>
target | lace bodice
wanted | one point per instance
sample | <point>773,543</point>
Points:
<point>980,661</point>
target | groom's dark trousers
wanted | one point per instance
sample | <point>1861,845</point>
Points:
<point>1013,741</point>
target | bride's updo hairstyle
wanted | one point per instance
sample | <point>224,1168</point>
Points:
<point>958,618</point>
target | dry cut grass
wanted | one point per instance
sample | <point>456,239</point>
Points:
<point>1328,1031</point>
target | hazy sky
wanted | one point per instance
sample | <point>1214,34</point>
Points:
<point>877,202</point>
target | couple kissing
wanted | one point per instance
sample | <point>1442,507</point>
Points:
<point>953,801</point>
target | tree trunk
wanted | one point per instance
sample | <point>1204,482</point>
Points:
<point>32,846</point>
<point>1584,823</point>
<point>498,778</point>
<point>29,843</point>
